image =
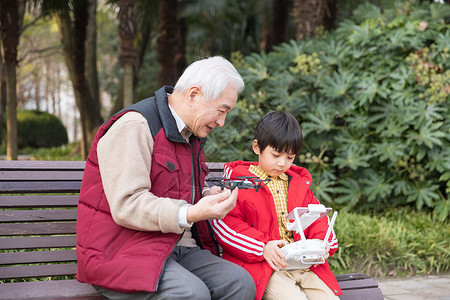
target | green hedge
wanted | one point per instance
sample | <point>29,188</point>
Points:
<point>373,101</point>
<point>39,129</point>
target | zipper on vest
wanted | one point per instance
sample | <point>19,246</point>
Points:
<point>193,174</point>
<point>211,231</point>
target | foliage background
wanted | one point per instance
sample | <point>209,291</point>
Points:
<point>373,101</point>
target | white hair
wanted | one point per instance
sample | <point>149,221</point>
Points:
<point>212,75</point>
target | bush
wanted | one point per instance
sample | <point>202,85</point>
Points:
<point>39,129</point>
<point>373,101</point>
<point>399,242</point>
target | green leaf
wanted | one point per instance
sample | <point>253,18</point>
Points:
<point>389,151</point>
<point>376,186</point>
<point>401,77</point>
<point>353,158</point>
<point>368,88</point>
<point>423,194</point>
<point>438,159</point>
<point>443,41</point>
<point>429,134</point>
<point>320,121</point>
<point>337,84</point>
<point>402,187</point>
<point>323,189</point>
<point>349,192</point>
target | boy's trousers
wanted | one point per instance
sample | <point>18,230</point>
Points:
<point>299,285</point>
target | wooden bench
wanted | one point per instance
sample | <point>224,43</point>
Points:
<point>38,211</point>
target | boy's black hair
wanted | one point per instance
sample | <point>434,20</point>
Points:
<point>281,131</point>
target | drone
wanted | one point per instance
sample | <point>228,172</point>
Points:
<point>241,182</point>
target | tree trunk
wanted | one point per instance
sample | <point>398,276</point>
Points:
<point>91,53</point>
<point>37,89</point>
<point>280,13</point>
<point>73,42</point>
<point>11,111</point>
<point>10,31</point>
<point>167,42</point>
<point>2,95</point>
<point>127,31</point>
<point>310,14</point>
<point>180,57</point>
<point>266,24</point>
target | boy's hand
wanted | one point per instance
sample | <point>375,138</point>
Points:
<point>327,252</point>
<point>273,254</point>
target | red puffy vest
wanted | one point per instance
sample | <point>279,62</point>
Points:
<point>122,259</point>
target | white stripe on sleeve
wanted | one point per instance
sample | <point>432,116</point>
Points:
<point>237,240</point>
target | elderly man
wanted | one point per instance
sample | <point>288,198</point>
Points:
<point>142,229</point>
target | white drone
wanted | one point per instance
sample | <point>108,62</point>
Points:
<point>305,253</point>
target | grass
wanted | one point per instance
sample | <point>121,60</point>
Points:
<point>66,152</point>
<point>399,242</point>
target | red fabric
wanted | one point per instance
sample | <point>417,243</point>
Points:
<point>121,259</point>
<point>253,222</point>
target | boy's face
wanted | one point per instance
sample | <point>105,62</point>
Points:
<point>271,161</point>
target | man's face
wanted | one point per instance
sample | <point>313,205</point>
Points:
<point>208,115</point>
<point>273,162</point>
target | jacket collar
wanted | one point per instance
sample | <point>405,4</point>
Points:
<point>167,119</point>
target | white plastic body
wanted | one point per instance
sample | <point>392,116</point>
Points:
<point>305,253</point>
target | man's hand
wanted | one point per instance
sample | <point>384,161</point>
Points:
<point>273,254</point>
<point>215,189</point>
<point>213,206</point>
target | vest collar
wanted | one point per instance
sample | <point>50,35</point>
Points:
<point>167,119</point>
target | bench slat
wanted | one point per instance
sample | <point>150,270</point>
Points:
<point>38,215</point>
<point>357,284</point>
<point>31,257</point>
<point>37,228</point>
<point>38,201</point>
<point>38,242</point>
<point>362,294</point>
<point>42,175</point>
<point>41,165</point>
<point>38,271</point>
<point>40,187</point>
<point>71,289</point>
<point>351,276</point>
<point>215,166</point>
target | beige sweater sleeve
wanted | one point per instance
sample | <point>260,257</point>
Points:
<point>124,157</point>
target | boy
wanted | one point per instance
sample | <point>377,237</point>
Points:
<point>253,232</point>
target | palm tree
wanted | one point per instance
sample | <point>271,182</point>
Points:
<point>127,31</point>
<point>146,20</point>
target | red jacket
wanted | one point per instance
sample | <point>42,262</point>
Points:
<point>126,260</point>
<point>253,222</point>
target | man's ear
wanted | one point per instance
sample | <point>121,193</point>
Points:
<point>255,147</point>
<point>192,93</point>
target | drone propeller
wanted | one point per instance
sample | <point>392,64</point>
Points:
<point>241,182</point>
